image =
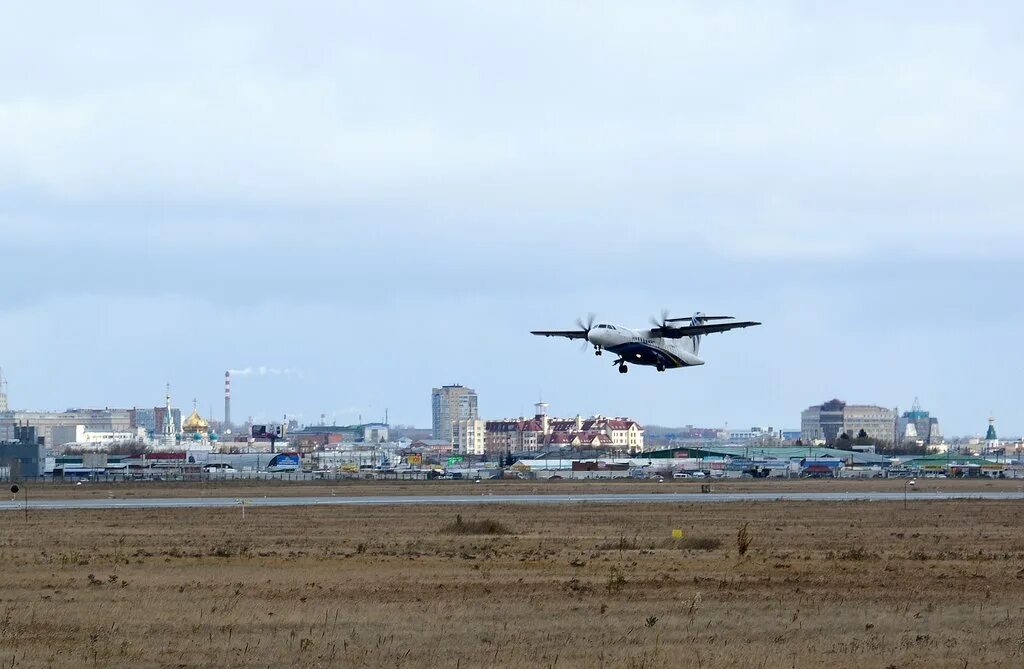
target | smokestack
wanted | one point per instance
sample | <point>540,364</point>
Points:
<point>227,400</point>
<point>3,391</point>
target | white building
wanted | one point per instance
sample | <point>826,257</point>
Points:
<point>470,437</point>
<point>753,434</point>
<point>81,436</point>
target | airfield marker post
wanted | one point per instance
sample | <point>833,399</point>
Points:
<point>14,491</point>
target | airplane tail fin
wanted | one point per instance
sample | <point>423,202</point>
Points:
<point>698,319</point>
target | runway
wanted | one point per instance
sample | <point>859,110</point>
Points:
<point>470,500</point>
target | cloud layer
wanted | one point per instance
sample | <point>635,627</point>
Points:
<point>408,176</point>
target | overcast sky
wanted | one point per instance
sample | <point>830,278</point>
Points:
<point>372,199</point>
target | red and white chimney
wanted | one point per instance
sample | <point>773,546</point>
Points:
<point>227,399</point>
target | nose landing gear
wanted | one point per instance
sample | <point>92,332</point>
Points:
<point>597,350</point>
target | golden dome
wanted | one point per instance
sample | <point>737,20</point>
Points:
<point>195,423</point>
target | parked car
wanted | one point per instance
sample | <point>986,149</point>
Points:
<point>219,468</point>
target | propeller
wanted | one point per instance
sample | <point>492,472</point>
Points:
<point>586,326</point>
<point>664,319</point>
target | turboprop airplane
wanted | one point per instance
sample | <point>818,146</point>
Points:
<point>664,346</point>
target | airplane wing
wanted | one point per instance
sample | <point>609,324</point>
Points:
<point>568,334</point>
<point>671,332</point>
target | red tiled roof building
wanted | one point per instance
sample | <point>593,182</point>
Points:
<point>542,432</point>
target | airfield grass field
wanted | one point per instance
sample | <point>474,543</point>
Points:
<point>852,584</point>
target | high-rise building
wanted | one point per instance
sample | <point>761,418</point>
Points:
<point>920,426</point>
<point>451,404</point>
<point>829,421</point>
<point>3,391</point>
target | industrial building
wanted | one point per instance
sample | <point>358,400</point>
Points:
<point>20,460</point>
<point>312,436</point>
<point>99,420</point>
<point>779,453</point>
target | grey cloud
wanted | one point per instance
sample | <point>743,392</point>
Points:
<point>412,188</point>
<point>703,123</point>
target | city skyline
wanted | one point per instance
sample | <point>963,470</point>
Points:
<point>372,207</point>
<point>367,418</point>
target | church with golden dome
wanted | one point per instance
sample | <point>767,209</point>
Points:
<point>196,429</point>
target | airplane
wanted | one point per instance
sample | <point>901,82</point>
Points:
<point>664,346</point>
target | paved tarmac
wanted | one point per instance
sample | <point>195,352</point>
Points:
<point>460,500</point>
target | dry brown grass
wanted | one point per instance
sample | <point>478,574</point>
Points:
<point>843,585</point>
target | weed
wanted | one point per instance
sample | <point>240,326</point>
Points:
<point>483,526</point>
<point>621,544</point>
<point>616,582</point>
<point>699,543</point>
<point>743,539</point>
<point>857,553</point>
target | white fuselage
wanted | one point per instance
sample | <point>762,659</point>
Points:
<point>638,347</point>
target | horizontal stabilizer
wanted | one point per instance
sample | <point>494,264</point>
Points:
<point>701,318</point>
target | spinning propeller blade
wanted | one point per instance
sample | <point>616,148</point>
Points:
<point>664,319</point>
<point>586,327</point>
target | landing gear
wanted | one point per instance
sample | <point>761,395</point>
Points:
<point>661,368</point>
<point>597,350</point>
<point>623,369</point>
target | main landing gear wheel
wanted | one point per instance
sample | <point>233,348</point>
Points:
<point>661,368</point>
<point>623,369</point>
